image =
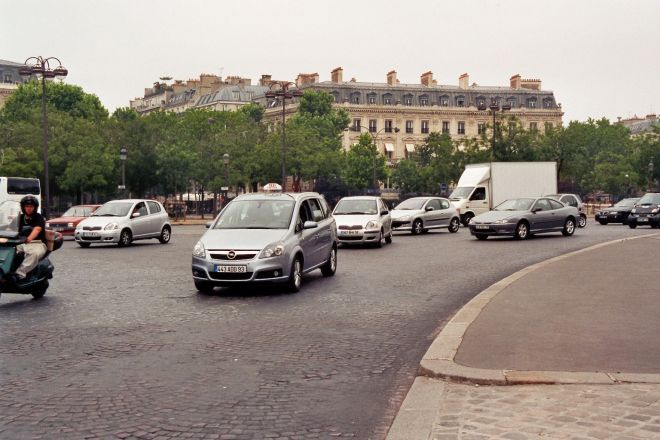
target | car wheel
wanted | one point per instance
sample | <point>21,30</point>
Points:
<point>632,225</point>
<point>381,238</point>
<point>40,290</point>
<point>125,238</point>
<point>84,245</point>
<point>602,222</point>
<point>468,218</point>
<point>165,235</point>
<point>417,227</point>
<point>583,221</point>
<point>388,238</point>
<point>522,231</point>
<point>295,277</point>
<point>454,224</point>
<point>481,236</point>
<point>569,227</point>
<point>330,266</point>
<point>203,286</point>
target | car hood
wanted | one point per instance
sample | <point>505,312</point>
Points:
<point>616,209</point>
<point>398,213</point>
<point>241,239</point>
<point>491,216</point>
<point>349,220</point>
<point>100,221</point>
<point>645,209</point>
<point>66,219</point>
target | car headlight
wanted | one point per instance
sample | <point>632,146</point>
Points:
<point>272,250</point>
<point>372,225</point>
<point>111,226</point>
<point>199,251</point>
<point>47,224</point>
<point>634,211</point>
<point>502,221</point>
<point>69,225</point>
<point>654,211</point>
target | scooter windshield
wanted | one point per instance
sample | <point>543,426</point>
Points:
<point>9,212</point>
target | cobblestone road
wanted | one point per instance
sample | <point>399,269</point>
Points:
<point>122,346</point>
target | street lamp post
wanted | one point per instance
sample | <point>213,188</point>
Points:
<point>283,93</point>
<point>41,66</point>
<point>494,108</point>
<point>123,154</point>
<point>225,159</point>
<point>650,166</point>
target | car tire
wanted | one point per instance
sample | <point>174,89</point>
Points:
<point>295,276</point>
<point>632,225</point>
<point>583,221</point>
<point>84,245</point>
<point>481,236</point>
<point>602,222</point>
<point>165,235</point>
<point>388,238</point>
<point>330,266</point>
<point>417,227</point>
<point>203,286</point>
<point>40,290</point>
<point>454,224</point>
<point>381,238</point>
<point>125,238</point>
<point>522,231</point>
<point>467,219</point>
<point>569,227</point>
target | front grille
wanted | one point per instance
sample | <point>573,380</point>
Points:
<point>91,228</point>
<point>350,238</point>
<point>230,276</point>
<point>239,255</point>
<point>349,227</point>
<point>91,238</point>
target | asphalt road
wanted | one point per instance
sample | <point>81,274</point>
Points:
<point>123,346</point>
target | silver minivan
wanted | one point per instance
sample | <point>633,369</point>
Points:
<point>269,238</point>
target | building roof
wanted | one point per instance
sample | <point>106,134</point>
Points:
<point>10,63</point>
<point>227,94</point>
<point>645,126</point>
<point>420,87</point>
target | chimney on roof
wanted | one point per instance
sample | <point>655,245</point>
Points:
<point>463,81</point>
<point>179,86</point>
<point>532,84</point>
<point>266,80</point>
<point>307,78</point>
<point>336,75</point>
<point>391,78</point>
<point>515,81</point>
<point>427,79</point>
<point>651,117</point>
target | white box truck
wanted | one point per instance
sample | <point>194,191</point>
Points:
<point>485,185</point>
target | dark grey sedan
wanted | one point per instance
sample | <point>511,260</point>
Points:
<point>525,216</point>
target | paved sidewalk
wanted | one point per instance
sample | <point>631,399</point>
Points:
<point>596,343</point>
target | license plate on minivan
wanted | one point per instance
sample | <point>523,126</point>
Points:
<point>230,269</point>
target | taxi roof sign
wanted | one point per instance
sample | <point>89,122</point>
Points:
<point>272,187</point>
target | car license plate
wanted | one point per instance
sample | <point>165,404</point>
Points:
<point>231,269</point>
<point>91,234</point>
<point>348,232</point>
<point>481,226</point>
<point>642,219</point>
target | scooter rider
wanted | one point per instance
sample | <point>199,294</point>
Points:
<point>34,248</point>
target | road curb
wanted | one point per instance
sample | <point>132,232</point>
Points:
<point>438,362</point>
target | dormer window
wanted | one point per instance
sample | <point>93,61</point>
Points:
<point>424,100</point>
<point>481,101</point>
<point>371,98</point>
<point>407,100</point>
<point>444,101</point>
<point>531,103</point>
<point>511,102</point>
<point>387,99</point>
<point>460,101</point>
<point>547,103</point>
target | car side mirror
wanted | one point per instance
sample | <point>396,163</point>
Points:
<point>208,224</point>
<point>135,214</point>
<point>310,225</point>
<point>429,208</point>
<point>535,210</point>
<point>384,212</point>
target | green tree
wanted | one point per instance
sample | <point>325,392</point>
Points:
<point>361,163</point>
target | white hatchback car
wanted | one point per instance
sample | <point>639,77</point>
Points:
<point>363,220</point>
<point>124,221</point>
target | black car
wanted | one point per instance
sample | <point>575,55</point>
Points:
<point>618,213</point>
<point>646,212</point>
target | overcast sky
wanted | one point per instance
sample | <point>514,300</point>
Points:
<point>600,57</point>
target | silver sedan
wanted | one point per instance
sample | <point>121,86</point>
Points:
<point>523,217</point>
<point>363,220</point>
<point>419,214</point>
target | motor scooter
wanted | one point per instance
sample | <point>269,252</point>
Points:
<point>36,283</point>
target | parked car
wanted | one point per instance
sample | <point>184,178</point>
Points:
<point>618,213</point>
<point>124,221</point>
<point>523,217</point>
<point>419,214</point>
<point>646,212</point>
<point>266,238</point>
<point>363,220</point>
<point>575,201</point>
<point>66,224</point>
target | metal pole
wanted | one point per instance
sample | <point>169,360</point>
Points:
<point>44,115</point>
<point>284,141</point>
<point>492,148</point>
<point>123,177</point>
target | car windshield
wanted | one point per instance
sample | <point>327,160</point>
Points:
<point>355,207</point>
<point>78,211</point>
<point>113,209</point>
<point>9,212</point>
<point>411,204</point>
<point>462,192</point>
<point>256,214</point>
<point>650,199</point>
<point>626,203</point>
<point>515,205</point>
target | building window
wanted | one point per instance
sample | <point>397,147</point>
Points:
<point>237,96</point>
<point>533,126</point>
<point>371,98</point>
<point>7,78</point>
<point>549,126</point>
<point>460,101</point>
<point>357,124</point>
<point>481,128</point>
<point>424,100</point>
<point>461,127</point>
<point>387,99</point>
<point>388,126</point>
<point>444,101</point>
<point>409,126</point>
<point>547,103</point>
<point>531,103</point>
<point>481,101</point>
<point>511,102</point>
<point>445,126</point>
<point>407,100</point>
<point>356,99</point>
<point>425,127</point>
<point>372,126</point>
